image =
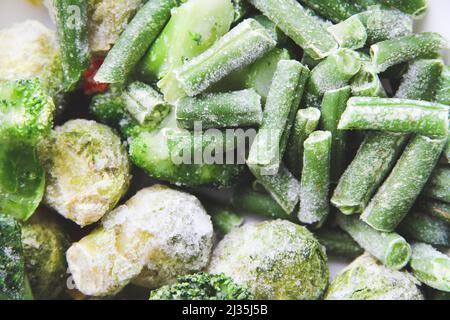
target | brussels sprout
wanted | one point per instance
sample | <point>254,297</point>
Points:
<point>30,50</point>
<point>275,260</point>
<point>44,246</point>
<point>202,286</point>
<point>87,170</point>
<point>367,279</point>
<point>158,235</point>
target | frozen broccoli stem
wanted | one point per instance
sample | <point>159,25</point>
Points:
<point>371,165</point>
<point>436,209</point>
<point>333,105</point>
<point>173,155</point>
<point>338,243</point>
<point>44,246</point>
<point>388,53</point>
<point>385,24</point>
<point>16,63</point>
<point>193,28</point>
<point>240,47</point>
<point>443,92</point>
<point>202,286</point>
<point>87,168</point>
<point>367,279</point>
<point>315,180</point>
<point>282,104</point>
<point>298,25</point>
<point>395,115</point>
<point>22,179</point>
<point>397,194</point>
<point>305,123</point>
<point>390,248</point>
<point>72,25</point>
<point>283,187</point>
<point>26,111</point>
<point>287,261</point>
<point>13,282</point>
<point>438,187</point>
<point>415,8</point>
<point>134,41</point>
<point>145,104</point>
<point>261,203</point>
<point>155,237</point>
<point>220,110</point>
<point>224,218</point>
<point>431,267</point>
<point>419,81</point>
<point>350,33</point>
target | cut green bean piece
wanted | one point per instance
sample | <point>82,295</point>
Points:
<point>224,218</point>
<point>333,106</point>
<point>295,22</point>
<point>437,209</point>
<point>420,226</point>
<point>398,193</point>
<point>416,8</point>
<point>438,187</point>
<point>272,29</point>
<point>396,115</point>
<point>220,110</point>
<point>334,10</point>
<point>373,162</point>
<point>390,248</point>
<point>419,81</point>
<point>366,83</point>
<point>430,266</point>
<point>71,18</point>
<point>145,104</point>
<point>350,33</point>
<point>443,93</point>
<point>315,180</point>
<point>193,28</point>
<point>134,41</point>
<point>240,47</point>
<point>338,243</point>
<point>282,104</point>
<point>305,123</point>
<point>261,203</point>
<point>241,8</point>
<point>426,45</point>
<point>283,187</point>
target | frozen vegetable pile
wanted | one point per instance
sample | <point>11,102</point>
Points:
<point>136,139</point>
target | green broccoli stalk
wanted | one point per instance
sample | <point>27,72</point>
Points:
<point>202,286</point>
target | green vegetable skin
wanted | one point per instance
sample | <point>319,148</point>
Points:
<point>72,27</point>
<point>224,219</point>
<point>396,115</point>
<point>416,8</point>
<point>390,248</point>
<point>202,286</point>
<point>431,267</point>
<point>134,41</point>
<point>294,21</point>
<point>315,180</point>
<point>335,10</point>
<point>438,187</point>
<point>398,193</point>
<point>437,209</point>
<point>338,243</point>
<point>443,93</point>
<point>193,28</point>
<point>367,83</point>
<point>350,33</point>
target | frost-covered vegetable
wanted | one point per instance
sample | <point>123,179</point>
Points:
<point>438,186</point>
<point>202,286</point>
<point>30,50</point>
<point>155,237</point>
<point>287,261</point>
<point>224,218</point>
<point>44,247</point>
<point>338,243</point>
<point>87,170</point>
<point>367,279</point>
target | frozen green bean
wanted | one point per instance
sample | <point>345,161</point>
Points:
<point>416,8</point>
<point>134,41</point>
<point>388,53</point>
<point>438,186</point>
<point>398,193</point>
<point>220,110</point>
<point>437,209</point>
<point>371,165</point>
<point>366,83</point>
<point>241,8</point>
<point>315,180</point>
<point>338,243</point>
<point>443,92</point>
<point>334,10</point>
<point>390,248</point>
<point>430,266</point>
<point>396,115</point>
<point>295,22</point>
<point>224,218</point>
<point>350,33</point>
<point>272,28</point>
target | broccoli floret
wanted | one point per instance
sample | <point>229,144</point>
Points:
<point>202,286</point>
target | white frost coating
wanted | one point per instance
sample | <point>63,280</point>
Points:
<point>158,235</point>
<point>367,279</point>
